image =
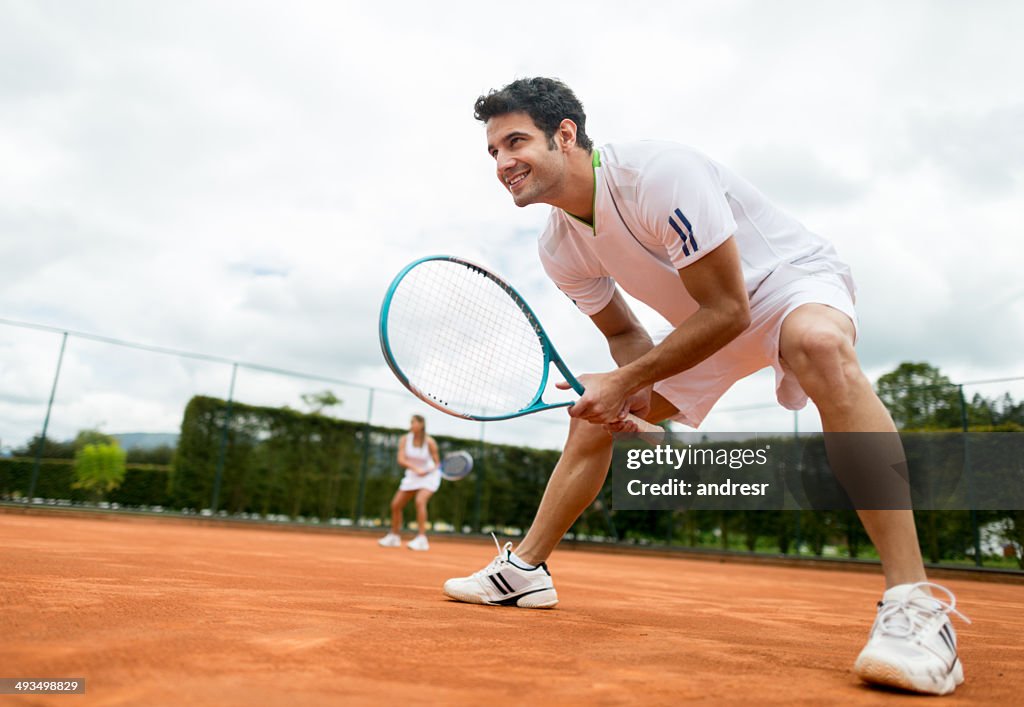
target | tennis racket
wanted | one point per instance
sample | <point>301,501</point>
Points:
<point>463,340</point>
<point>456,465</point>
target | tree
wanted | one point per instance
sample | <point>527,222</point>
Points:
<point>163,454</point>
<point>1013,533</point>
<point>50,449</point>
<point>318,402</point>
<point>1007,412</point>
<point>99,468</point>
<point>919,397</point>
<point>53,449</point>
<point>85,437</point>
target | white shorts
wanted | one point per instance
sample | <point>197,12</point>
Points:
<point>695,391</point>
<point>414,482</point>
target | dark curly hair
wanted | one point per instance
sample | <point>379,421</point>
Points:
<point>547,101</point>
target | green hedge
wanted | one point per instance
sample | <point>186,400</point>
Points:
<point>284,462</point>
<point>54,481</point>
<point>143,485</point>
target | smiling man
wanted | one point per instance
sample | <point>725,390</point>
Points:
<point>743,286</point>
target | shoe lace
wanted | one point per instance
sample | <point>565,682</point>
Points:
<point>498,561</point>
<point>909,615</point>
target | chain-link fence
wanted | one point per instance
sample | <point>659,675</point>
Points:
<point>337,466</point>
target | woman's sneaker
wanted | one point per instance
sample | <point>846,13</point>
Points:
<point>912,643</point>
<point>390,540</point>
<point>505,584</point>
<point>418,543</point>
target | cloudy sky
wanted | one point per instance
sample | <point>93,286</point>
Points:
<point>243,180</point>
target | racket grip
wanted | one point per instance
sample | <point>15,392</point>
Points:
<point>648,431</point>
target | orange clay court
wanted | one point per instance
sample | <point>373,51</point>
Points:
<point>174,612</point>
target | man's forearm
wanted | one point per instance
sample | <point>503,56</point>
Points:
<point>694,340</point>
<point>628,347</point>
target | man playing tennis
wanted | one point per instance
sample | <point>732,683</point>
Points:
<point>744,286</point>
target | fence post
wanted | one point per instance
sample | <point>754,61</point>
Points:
<point>480,471</point>
<point>975,530</point>
<point>46,422</point>
<point>365,463</point>
<point>799,462</point>
<point>609,522</point>
<point>222,452</point>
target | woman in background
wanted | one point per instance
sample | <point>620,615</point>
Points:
<point>417,453</point>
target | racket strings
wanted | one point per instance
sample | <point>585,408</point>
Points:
<point>456,465</point>
<point>462,340</point>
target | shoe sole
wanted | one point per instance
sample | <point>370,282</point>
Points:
<point>544,599</point>
<point>878,672</point>
<point>541,599</point>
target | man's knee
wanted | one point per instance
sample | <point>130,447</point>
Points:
<point>815,336</point>
<point>826,365</point>
<point>820,349</point>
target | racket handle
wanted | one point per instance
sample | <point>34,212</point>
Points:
<point>648,431</point>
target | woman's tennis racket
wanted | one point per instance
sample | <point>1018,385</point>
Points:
<point>464,341</point>
<point>456,465</point>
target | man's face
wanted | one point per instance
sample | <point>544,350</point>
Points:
<point>526,165</point>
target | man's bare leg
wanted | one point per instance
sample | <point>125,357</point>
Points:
<point>817,343</point>
<point>575,483</point>
<point>912,644</point>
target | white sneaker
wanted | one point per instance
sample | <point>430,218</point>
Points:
<point>505,584</point>
<point>912,643</point>
<point>418,543</point>
<point>390,540</point>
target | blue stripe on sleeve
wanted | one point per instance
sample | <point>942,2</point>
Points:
<point>682,234</point>
<point>689,229</point>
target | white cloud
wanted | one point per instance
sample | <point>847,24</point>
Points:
<point>245,179</point>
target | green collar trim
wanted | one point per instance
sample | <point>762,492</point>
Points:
<point>595,162</point>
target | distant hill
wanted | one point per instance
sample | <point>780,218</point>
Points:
<point>146,440</point>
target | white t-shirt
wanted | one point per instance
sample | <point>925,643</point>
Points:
<point>660,207</point>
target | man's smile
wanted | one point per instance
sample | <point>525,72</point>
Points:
<point>512,182</point>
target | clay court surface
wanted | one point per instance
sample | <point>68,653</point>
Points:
<point>164,612</point>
